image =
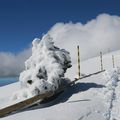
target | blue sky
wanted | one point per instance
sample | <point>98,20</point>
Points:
<point>23,20</point>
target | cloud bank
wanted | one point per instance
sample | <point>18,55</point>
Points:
<point>11,64</point>
<point>99,34</point>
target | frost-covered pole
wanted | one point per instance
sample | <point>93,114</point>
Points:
<point>101,61</point>
<point>78,55</point>
<point>113,61</point>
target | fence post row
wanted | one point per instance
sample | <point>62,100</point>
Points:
<point>78,56</point>
<point>101,61</point>
<point>113,61</point>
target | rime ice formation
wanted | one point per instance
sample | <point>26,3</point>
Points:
<point>45,69</point>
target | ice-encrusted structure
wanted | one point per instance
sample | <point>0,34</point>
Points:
<point>45,69</point>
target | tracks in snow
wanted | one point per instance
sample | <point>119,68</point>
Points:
<point>111,94</point>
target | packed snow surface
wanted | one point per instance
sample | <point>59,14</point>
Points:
<point>93,98</point>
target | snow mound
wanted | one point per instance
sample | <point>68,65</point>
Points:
<point>45,69</point>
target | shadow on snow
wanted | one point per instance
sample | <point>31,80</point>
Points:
<point>63,96</point>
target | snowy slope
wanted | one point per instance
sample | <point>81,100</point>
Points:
<point>93,98</point>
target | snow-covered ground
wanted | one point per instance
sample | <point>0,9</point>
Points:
<point>93,98</point>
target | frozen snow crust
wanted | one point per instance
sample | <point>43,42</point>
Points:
<point>45,69</point>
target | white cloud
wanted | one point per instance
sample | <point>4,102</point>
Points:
<point>100,34</point>
<point>11,64</point>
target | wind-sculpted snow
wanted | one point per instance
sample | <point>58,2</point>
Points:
<point>45,69</point>
<point>111,93</point>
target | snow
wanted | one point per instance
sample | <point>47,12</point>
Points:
<point>45,69</point>
<point>78,102</point>
<point>111,94</point>
<point>93,98</point>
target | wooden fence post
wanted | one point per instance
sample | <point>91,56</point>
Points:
<point>113,61</point>
<point>78,56</point>
<point>101,61</point>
